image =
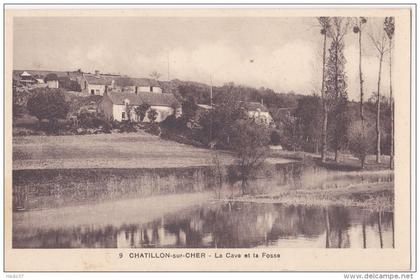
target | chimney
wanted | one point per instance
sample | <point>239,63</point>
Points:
<point>97,73</point>
<point>262,101</point>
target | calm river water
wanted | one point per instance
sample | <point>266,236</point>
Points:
<point>229,225</point>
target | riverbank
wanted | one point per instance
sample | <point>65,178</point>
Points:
<point>377,196</point>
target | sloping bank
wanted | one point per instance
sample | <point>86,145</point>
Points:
<point>48,188</point>
<point>292,182</point>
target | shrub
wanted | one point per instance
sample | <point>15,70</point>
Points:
<point>172,123</point>
<point>127,126</point>
<point>141,110</point>
<point>48,104</point>
<point>361,142</point>
<point>152,115</point>
<point>154,129</point>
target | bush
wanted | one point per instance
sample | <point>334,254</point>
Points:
<point>48,104</point>
<point>152,115</point>
<point>92,123</point>
<point>141,110</point>
<point>154,129</point>
<point>361,144</point>
<point>127,127</point>
<point>172,123</point>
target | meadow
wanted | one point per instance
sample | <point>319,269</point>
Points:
<point>119,150</point>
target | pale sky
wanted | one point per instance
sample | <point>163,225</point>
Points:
<point>286,52</point>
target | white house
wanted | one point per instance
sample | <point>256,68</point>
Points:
<point>96,84</point>
<point>121,106</point>
<point>258,112</point>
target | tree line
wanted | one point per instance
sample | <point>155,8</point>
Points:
<point>336,124</point>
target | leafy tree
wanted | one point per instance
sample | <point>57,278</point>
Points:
<point>18,106</point>
<point>309,116</point>
<point>336,84</point>
<point>289,131</point>
<point>128,109</point>
<point>189,108</point>
<point>325,24</point>
<point>46,103</point>
<point>152,115</point>
<point>249,141</point>
<point>217,123</point>
<point>141,110</point>
<point>360,143</point>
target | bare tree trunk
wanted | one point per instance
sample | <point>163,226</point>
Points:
<point>327,228</point>
<point>393,238</point>
<point>362,117</point>
<point>364,233</point>
<point>337,97</point>
<point>361,82</point>
<point>381,242</point>
<point>391,154</point>
<point>336,156</point>
<point>378,113</point>
<point>324,106</point>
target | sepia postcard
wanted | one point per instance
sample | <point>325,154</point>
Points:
<point>208,138</point>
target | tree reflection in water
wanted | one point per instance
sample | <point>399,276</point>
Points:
<point>230,225</point>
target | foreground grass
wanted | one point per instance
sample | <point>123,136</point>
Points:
<point>134,150</point>
<point>120,150</point>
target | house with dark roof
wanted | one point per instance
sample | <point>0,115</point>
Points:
<point>51,80</point>
<point>258,112</point>
<point>135,85</point>
<point>121,106</point>
<point>97,84</point>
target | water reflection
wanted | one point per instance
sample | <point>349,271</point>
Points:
<point>230,225</point>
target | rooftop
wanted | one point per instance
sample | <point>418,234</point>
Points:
<point>151,98</point>
<point>99,80</point>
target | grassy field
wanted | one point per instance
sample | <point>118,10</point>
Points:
<point>134,150</point>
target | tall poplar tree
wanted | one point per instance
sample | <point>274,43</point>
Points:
<point>336,84</point>
<point>324,23</point>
